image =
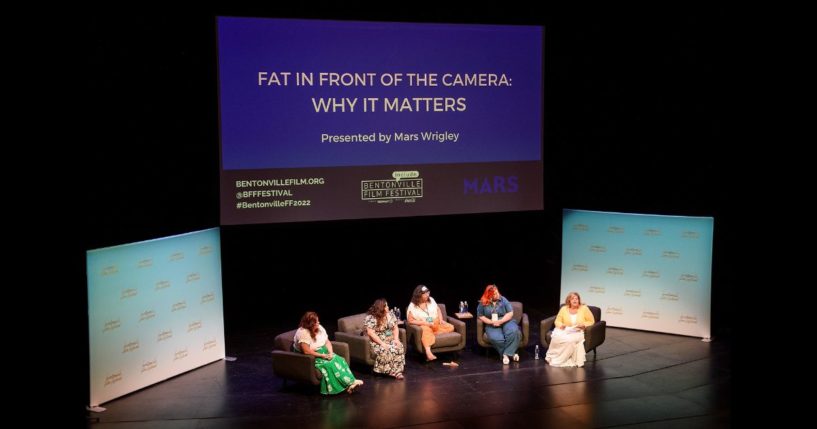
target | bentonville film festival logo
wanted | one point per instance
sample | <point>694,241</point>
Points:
<point>405,186</point>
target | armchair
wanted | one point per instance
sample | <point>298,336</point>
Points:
<point>452,341</point>
<point>594,335</point>
<point>521,319</point>
<point>352,332</point>
<point>294,365</point>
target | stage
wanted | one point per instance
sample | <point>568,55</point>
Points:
<point>638,379</point>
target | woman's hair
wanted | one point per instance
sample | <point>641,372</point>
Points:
<point>310,322</point>
<point>378,310</point>
<point>418,292</point>
<point>488,296</point>
<point>570,296</point>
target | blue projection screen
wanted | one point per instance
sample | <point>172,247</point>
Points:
<point>644,271</point>
<point>324,120</point>
<point>154,311</point>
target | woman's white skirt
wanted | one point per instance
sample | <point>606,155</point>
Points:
<point>566,348</point>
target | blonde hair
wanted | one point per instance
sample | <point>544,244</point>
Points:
<point>570,295</point>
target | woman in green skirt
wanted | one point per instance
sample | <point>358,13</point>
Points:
<point>311,339</point>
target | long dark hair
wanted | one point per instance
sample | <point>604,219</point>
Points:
<point>418,291</point>
<point>309,321</point>
<point>378,310</point>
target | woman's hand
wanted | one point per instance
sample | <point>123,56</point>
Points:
<point>562,327</point>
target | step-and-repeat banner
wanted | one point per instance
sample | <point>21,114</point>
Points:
<point>154,311</point>
<point>644,271</point>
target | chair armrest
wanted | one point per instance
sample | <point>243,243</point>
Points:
<point>341,349</point>
<point>525,330</point>
<point>358,345</point>
<point>459,326</point>
<point>292,365</point>
<point>545,326</point>
<point>481,333</point>
<point>415,334</point>
<point>595,334</point>
<point>402,334</point>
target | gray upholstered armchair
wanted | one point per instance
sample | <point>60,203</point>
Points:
<point>450,342</point>
<point>293,365</point>
<point>352,332</point>
<point>594,335</point>
<point>521,319</point>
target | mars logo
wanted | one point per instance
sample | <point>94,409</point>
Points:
<point>490,185</point>
<point>406,187</point>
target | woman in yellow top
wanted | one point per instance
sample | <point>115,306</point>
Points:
<point>567,341</point>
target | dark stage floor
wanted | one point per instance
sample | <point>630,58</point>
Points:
<point>639,379</point>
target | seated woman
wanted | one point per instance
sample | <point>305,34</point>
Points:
<point>423,312</point>
<point>503,332</point>
<point>567,341</point>
<point>384,337</point>
<point>311,339</point>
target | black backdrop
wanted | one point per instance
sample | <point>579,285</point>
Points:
<point>636,106</point>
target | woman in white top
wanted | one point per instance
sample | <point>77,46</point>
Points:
<point>311,339</point>
<point>567,341</point>
<point>423,312</point>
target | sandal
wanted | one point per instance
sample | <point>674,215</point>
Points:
<point>399,376</point>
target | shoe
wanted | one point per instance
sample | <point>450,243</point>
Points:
<point>516,357</point>
<point>399,376</point>
<point>505,359</point>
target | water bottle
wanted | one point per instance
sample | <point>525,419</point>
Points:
<point>462,307</point>
<point>465,306</point>
<point>536,352</point>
